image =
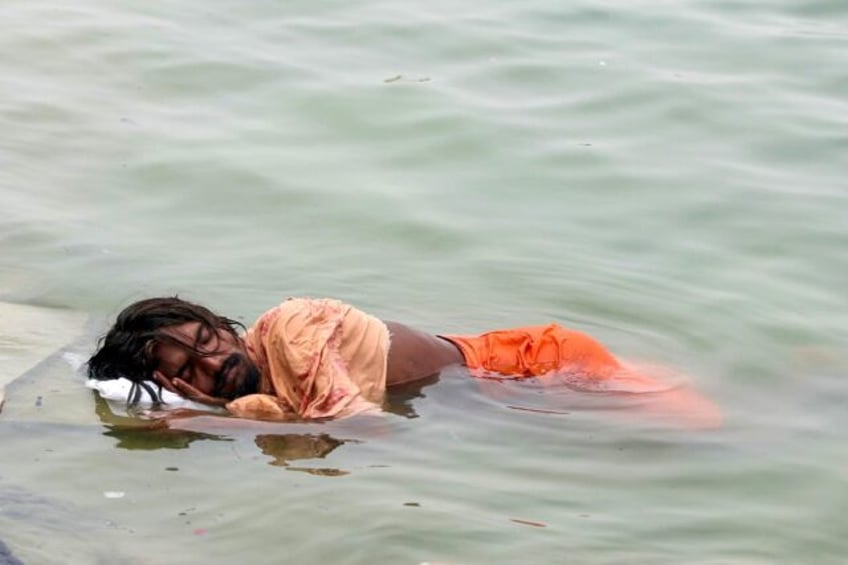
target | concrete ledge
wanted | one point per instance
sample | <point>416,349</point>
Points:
<point>29,334</point>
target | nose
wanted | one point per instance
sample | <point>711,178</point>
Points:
<point>211,363</point>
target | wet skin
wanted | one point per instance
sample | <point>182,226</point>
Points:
<point>221,369</point>
<point>204,365</point>
<point>415,355</point>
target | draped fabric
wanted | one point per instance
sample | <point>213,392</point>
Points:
<point>535,350</point>
<point>559,354</point>
<point>319,358</point>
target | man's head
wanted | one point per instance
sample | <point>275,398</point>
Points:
<point>175,343</point>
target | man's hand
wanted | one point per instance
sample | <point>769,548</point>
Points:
<point>179,386</point>
<point>188,391</point>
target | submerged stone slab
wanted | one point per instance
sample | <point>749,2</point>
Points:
<point>29,334</point>
<point>36,528</point>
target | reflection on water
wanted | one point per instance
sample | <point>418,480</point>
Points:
<point>287,447</point>
<point>148,434</point>
<point>155,437</point>
<point>137,433</point>
<point>399,399</point>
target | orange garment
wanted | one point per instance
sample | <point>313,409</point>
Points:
<point>535,350</point>
<point>319,358</point>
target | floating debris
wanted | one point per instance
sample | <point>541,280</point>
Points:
<point>401,78</point>
<point>537,410</point>
<point>529,523</point>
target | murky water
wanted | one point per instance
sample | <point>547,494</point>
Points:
<point>669,177</point>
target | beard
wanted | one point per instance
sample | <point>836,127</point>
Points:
<point>245,383</point>
<point>249,383</point>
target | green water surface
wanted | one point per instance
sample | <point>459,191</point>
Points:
<point>668,176</point>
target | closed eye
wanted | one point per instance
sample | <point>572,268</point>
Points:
<point>207,340</point>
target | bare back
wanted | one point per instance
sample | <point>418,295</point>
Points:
<point>415,355</point>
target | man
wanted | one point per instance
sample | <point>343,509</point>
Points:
<point>321,358</point>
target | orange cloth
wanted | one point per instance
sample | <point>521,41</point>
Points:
<point>535,350</point>
<point>318,359</point>
<point>538,350</point>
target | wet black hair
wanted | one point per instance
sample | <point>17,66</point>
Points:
<point>127,348</point>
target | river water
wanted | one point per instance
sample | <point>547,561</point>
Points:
<point>668,176</point>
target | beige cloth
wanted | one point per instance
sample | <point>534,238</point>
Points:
<point>319,358</point>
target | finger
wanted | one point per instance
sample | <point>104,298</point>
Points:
<point>187,390</point>
<point>194,394</point>
<point>163,381</point>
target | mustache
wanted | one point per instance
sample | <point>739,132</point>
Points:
<point>228,365</point>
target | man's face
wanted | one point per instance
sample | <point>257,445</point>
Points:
<point>214,362</point>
